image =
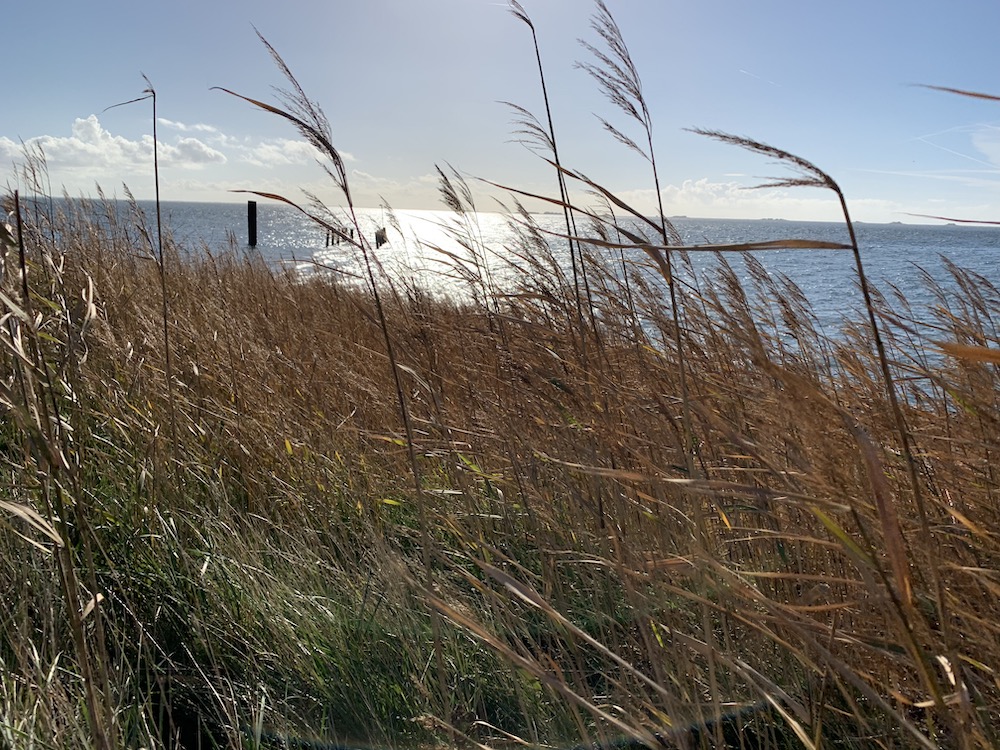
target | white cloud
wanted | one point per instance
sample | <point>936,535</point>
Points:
<point>281,153</point>
<point>285,152</point>
<point>94,149</point>
<point>184,128</point>
<point>193,155</point>
<point>91,153</point>
<point>190,152</point>
<point>10,151</point>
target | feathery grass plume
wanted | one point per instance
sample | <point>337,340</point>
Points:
<point>310,121</point>
<point>809,175</point>
<point>313,125</point>
<point>545,139</point>
<point>475,269</point>
<point>150,93</point>
<point>618,79</point>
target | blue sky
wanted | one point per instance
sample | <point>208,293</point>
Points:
<point>408,84</point>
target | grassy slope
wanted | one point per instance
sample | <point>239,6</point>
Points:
<point>262,559</point>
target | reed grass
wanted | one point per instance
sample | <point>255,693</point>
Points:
<point>357,513</point>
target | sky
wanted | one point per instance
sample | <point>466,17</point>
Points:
<point>410,85</point>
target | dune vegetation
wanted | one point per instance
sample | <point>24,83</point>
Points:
<point>594,504</point>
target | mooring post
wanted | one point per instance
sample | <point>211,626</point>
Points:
<point>252,222</point>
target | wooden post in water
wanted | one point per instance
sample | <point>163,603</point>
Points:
<point>252,223</point>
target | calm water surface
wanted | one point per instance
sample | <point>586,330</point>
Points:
<point>895,255</point>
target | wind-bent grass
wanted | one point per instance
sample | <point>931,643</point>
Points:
<point>395,519</point>
<point>290,532</point>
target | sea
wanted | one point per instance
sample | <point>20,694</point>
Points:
<point>898,257</point>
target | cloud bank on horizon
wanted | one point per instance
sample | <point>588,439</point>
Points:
<point>191,155</point>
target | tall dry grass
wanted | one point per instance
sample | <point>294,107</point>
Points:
<point>361,513</point>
